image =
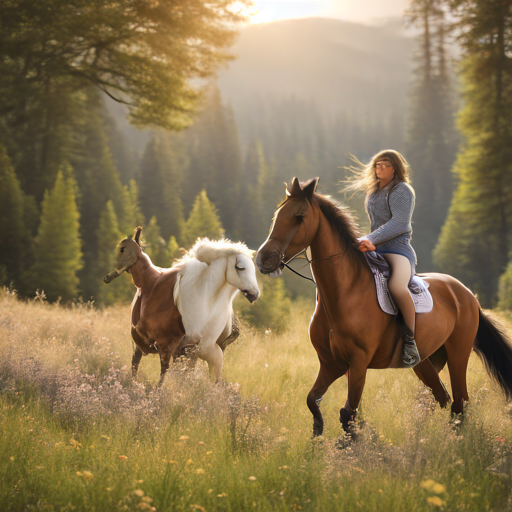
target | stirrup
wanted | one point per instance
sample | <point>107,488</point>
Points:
<point>410,354</point>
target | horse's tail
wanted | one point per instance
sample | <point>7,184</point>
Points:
<point>494,347</point>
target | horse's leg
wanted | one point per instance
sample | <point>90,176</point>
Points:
<point>215,358</point>
<point>230,333</point>
<point>356,381</point>
<point>458,350</point>
<point>328,373</point>
<point>457,366</point>
<point>137,356</point>
<point>429,376</point>
<point>165,359</point>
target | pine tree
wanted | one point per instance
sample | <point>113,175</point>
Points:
<point>215,162</point>
<point>154,244</point>
<point>431,142</point>
<point>121,289</point>
<point>98,181</point>
<point>475,240</point>
<point>173,250</point>
<point>271,310</point>
<point>160,184</point>
<point>129,214</point>
<point>202,222</point>
<point>57,246</point>
<point>13,234</point>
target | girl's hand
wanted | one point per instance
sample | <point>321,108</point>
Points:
<point>366,246</point>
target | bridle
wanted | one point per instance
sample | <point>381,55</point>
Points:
<point>311,261</point>
<point>117,272</point>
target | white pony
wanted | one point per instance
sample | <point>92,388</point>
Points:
<point>209,277</point>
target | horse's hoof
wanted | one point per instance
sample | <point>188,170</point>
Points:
<point>347,418</point>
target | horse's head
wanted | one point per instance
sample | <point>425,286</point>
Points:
<point>127,253</point>
<point>293,228</point>
<point>241,273</point>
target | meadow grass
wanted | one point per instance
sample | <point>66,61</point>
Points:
<point>77,433</point>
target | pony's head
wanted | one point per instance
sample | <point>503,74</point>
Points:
<point>127,253</point>
<point>240,269</point>
<point>293,228</point>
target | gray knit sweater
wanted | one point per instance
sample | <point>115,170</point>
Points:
<point>390,211</point>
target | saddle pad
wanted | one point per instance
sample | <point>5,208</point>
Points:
<point>418,287</point>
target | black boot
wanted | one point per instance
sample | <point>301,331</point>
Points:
<point>410,354</point>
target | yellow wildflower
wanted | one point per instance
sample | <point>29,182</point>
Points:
<point>252,478</point>
<point>437,501</point>
<point>428,484</point>
<point>438,488</point>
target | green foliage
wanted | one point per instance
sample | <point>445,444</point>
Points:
<point>431,141</point>
<point>202,222</point>
<point>57,246</point>
<point>121,289</point>
<point>130,214</point>
<point>13,235</point>
<point>154,244</point>
<point>145,53</point>
<point>271,310</point>
<point>475,240</point>
<point>173,250</point>
<point>160,185</point>
<point>215,160</point>
<point>505,289</point>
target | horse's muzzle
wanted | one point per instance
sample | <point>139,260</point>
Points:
<point>251,297</point>
<point>110,277</point>
<point>270,262</point>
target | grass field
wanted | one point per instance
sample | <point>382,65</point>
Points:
<point>77,434</point>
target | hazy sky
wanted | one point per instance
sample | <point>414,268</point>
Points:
<point>365,11</point>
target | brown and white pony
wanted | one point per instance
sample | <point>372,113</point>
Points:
<point>187,306</point>
<point>349,330</point>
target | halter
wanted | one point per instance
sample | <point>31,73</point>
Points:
<point>117,272</point>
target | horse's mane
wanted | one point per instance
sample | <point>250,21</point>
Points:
<point>341,221</point>
<point>206,250</point>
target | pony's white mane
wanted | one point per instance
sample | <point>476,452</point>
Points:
<point>206,250</point>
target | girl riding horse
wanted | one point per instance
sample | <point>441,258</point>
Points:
<point>389,203</point>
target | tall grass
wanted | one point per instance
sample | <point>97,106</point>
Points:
<point>78,434</point>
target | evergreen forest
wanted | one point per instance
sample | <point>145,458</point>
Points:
<point>113,116</point>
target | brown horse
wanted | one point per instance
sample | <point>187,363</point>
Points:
<point>349,330</point>
<point>173,310</point>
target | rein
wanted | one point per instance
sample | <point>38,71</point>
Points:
<point>311,261</point>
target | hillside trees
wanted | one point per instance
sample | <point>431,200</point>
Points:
<point>57,246</point>
<point>160,185</point>
<point>121,289</point>
<point>203,221</point>
<point>431,141</point>
<point>475,240</point>
<point>215,159</point>
<point>59,60</point>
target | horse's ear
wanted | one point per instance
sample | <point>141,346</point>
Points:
<point>136,234</point>
<point>294,190</point>
<point>309,188</point>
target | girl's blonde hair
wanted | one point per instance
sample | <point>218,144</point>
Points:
<point>365,179</point>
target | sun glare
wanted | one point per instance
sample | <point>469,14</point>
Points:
<point>265,11</point>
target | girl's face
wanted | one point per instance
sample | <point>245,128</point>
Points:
<point>384,170</point>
